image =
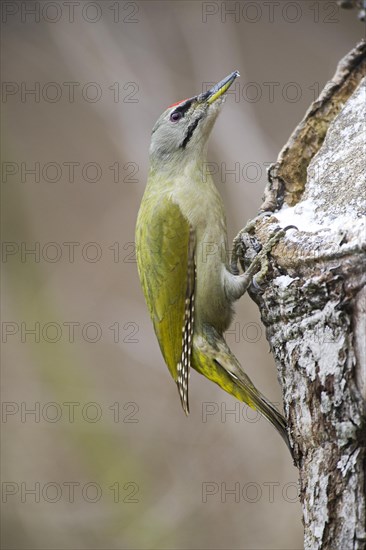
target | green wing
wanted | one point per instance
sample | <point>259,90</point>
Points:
<point>165,259</point>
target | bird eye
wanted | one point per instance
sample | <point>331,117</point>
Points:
<point>175,116</point>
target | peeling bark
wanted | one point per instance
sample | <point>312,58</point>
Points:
<point>313,303</point>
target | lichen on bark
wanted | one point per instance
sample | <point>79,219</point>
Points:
<point>313,304</point>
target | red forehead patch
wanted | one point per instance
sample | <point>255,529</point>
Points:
<point>178,103</point>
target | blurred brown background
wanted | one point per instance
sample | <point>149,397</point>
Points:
<point>107,459</point>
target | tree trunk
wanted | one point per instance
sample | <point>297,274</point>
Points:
<point>313,303</point>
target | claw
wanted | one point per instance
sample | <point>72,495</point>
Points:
<point>255,284</point>
<point>237,242</point>
<point>290,227</point>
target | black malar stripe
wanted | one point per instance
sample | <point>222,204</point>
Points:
<point>191,129</point>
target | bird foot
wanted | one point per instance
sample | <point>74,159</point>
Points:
<point>258,268</point>
<point>242,242</point>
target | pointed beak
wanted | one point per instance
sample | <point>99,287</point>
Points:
<point>218,90</point>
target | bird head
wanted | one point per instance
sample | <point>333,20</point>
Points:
<point>184,127</point>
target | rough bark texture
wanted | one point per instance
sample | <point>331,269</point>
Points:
<point>312,303</point>
<point>360,5</point>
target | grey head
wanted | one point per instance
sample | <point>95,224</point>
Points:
<point>183,129</point>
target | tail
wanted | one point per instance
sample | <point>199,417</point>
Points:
<point>212,358</point>
<point>270,413</point>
